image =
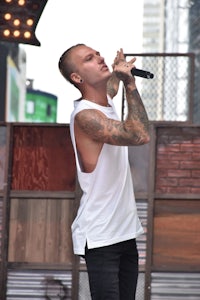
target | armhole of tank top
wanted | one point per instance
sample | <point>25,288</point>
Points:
<point>79,166</point>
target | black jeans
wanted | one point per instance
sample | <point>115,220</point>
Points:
<point>113,271</point>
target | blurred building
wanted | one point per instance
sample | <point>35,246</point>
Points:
<point>153,26</point>
<point>166,25</point>
<point>12,82</point>
<point>172,26</point>
<point>40,106</point>
<point>19,102</point>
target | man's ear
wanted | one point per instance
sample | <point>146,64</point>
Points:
<point>76,78</point>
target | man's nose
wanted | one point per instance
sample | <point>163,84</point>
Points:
<point>100,59</point>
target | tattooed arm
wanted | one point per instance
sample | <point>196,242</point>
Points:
<point>113,83</point>
<point>137,115</point>
<point>133,131</point>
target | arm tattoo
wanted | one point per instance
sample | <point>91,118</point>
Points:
<point>136,109</point>
<point>104,130</point>
<point>113,86</point>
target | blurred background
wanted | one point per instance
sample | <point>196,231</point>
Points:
<point>32,89</point>
<point>39,194</point>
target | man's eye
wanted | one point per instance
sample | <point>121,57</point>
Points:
<point>88,58</point>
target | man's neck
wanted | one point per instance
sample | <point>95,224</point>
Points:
<point>98,96</point>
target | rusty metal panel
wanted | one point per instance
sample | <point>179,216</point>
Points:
<point>175,286</point>
<point>39,284</point>
<point>43,158</point>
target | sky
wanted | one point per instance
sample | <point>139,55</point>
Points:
<point>105,26</point>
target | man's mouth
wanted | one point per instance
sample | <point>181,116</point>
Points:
<point>104,67</point>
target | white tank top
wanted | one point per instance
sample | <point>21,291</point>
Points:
<point>107,213</point>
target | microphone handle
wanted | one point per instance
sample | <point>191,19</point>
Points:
<point>142,73</point>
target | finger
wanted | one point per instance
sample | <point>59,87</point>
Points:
<point>119,57</point>
<point>121,54</point>
<point>132,60</point>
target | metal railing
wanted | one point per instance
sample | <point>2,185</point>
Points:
<point>169,95</point>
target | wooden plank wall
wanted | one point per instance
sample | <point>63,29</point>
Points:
<point>40,202</point>
<point>176,219</point>
<point>174,241</point>
<point>40,231</point>
<point>43,160</point>
<point>176,235</point>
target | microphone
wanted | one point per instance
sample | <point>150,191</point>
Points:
<point>142,73</point>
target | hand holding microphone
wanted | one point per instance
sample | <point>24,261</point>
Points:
<point>120,60</point>
<point>141,73</point>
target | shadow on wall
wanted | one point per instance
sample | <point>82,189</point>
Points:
<point>55,289</point>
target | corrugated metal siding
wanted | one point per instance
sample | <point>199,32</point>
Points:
<point>40,285</point>
<point>84,291</point>
<point>175,286</point>
<point>140,286</point>
<point>142,207</point>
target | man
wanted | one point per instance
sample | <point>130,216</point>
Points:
<point>106,225</point>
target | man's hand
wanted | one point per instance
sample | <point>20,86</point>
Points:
<point>121,71</point>
<point>119,58</point>
<point>122,68</point>
<point>113,82</point>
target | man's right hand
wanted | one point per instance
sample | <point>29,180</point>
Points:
<point>122,68</point>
